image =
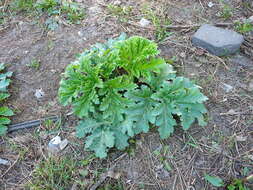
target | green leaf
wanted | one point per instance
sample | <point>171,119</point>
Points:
<point>182,98</point>
<point>86,126</point>
<point>4,121</point>
<point>121,139</point>
<point>113,106</point>
<point>79,86</point>
<point>99,141</point>
<point>127,127</point>
<point>141,112</point>
<point>164,120</point>
<point>134,54</point>
<point>4,84</point>
<point>5,111</point>
<point>3,130</point>
<point>215,181</point>
<point>3,96</point>
<point>2,66</point>
<point>5,75</point>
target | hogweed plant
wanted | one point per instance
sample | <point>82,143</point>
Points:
<point>121,88</point>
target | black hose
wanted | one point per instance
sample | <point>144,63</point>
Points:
<point>30,124</point>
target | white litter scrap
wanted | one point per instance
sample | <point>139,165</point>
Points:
<point>144,22</point>
<point>55,145</point>
<point>210,4</point>
<point>39,93</point>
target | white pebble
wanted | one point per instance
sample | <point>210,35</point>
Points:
<point>144,22</point>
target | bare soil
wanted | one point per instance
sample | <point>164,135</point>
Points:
<point>223,148</point>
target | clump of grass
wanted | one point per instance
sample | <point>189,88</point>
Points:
<point>35,64</point>
<point>22,5</point>
<point>69,10</point>
<point>244,27</point>
<point>54,173</point>
<point>226,11</point>
<point>159,20</point>
<point>121,12</point>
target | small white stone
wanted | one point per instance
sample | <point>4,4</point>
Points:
<point>39,93</point>
<point>227,87</point>
<point>80,33</point>
<point>210,4</point>
<point>144,22</point>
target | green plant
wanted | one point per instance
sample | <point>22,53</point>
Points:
<point>226,11</point>
<point>22,5</point>
<point>121,12</point>
<point>4,111</point>
<point>35,64</point>
<point>71,10</point>
<point>54,173</point>
<point>244,27</point>
<point>236,184</point>
<point>160,20</point>
<point>121,87</point>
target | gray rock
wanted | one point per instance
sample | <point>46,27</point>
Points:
<point>217,41</point>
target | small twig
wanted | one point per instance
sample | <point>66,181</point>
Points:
<point>10,167</point>
<point>174,183</point>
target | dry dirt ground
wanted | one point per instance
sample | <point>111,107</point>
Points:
<point>224,148</point>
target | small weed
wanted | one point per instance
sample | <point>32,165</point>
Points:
<point>69,10</point>
<point>226,11</point>
<point>162,155</point>
<point>20,149</point>
<point>35,64</point>
<point>121,12</point>
<point>73,12</point>
<point>54,174</point>
<point>236,184</point>
<point>49,124</point>
<point>88,160</point>
<point>22,5</point>
<point>160,20</point>
<point>116,186</point>
<point>244,27</point>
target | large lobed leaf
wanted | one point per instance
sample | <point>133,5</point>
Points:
<point>182,98</point>
<point>141,111</point>
<point>137,56</point>
<point>101,136</point>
